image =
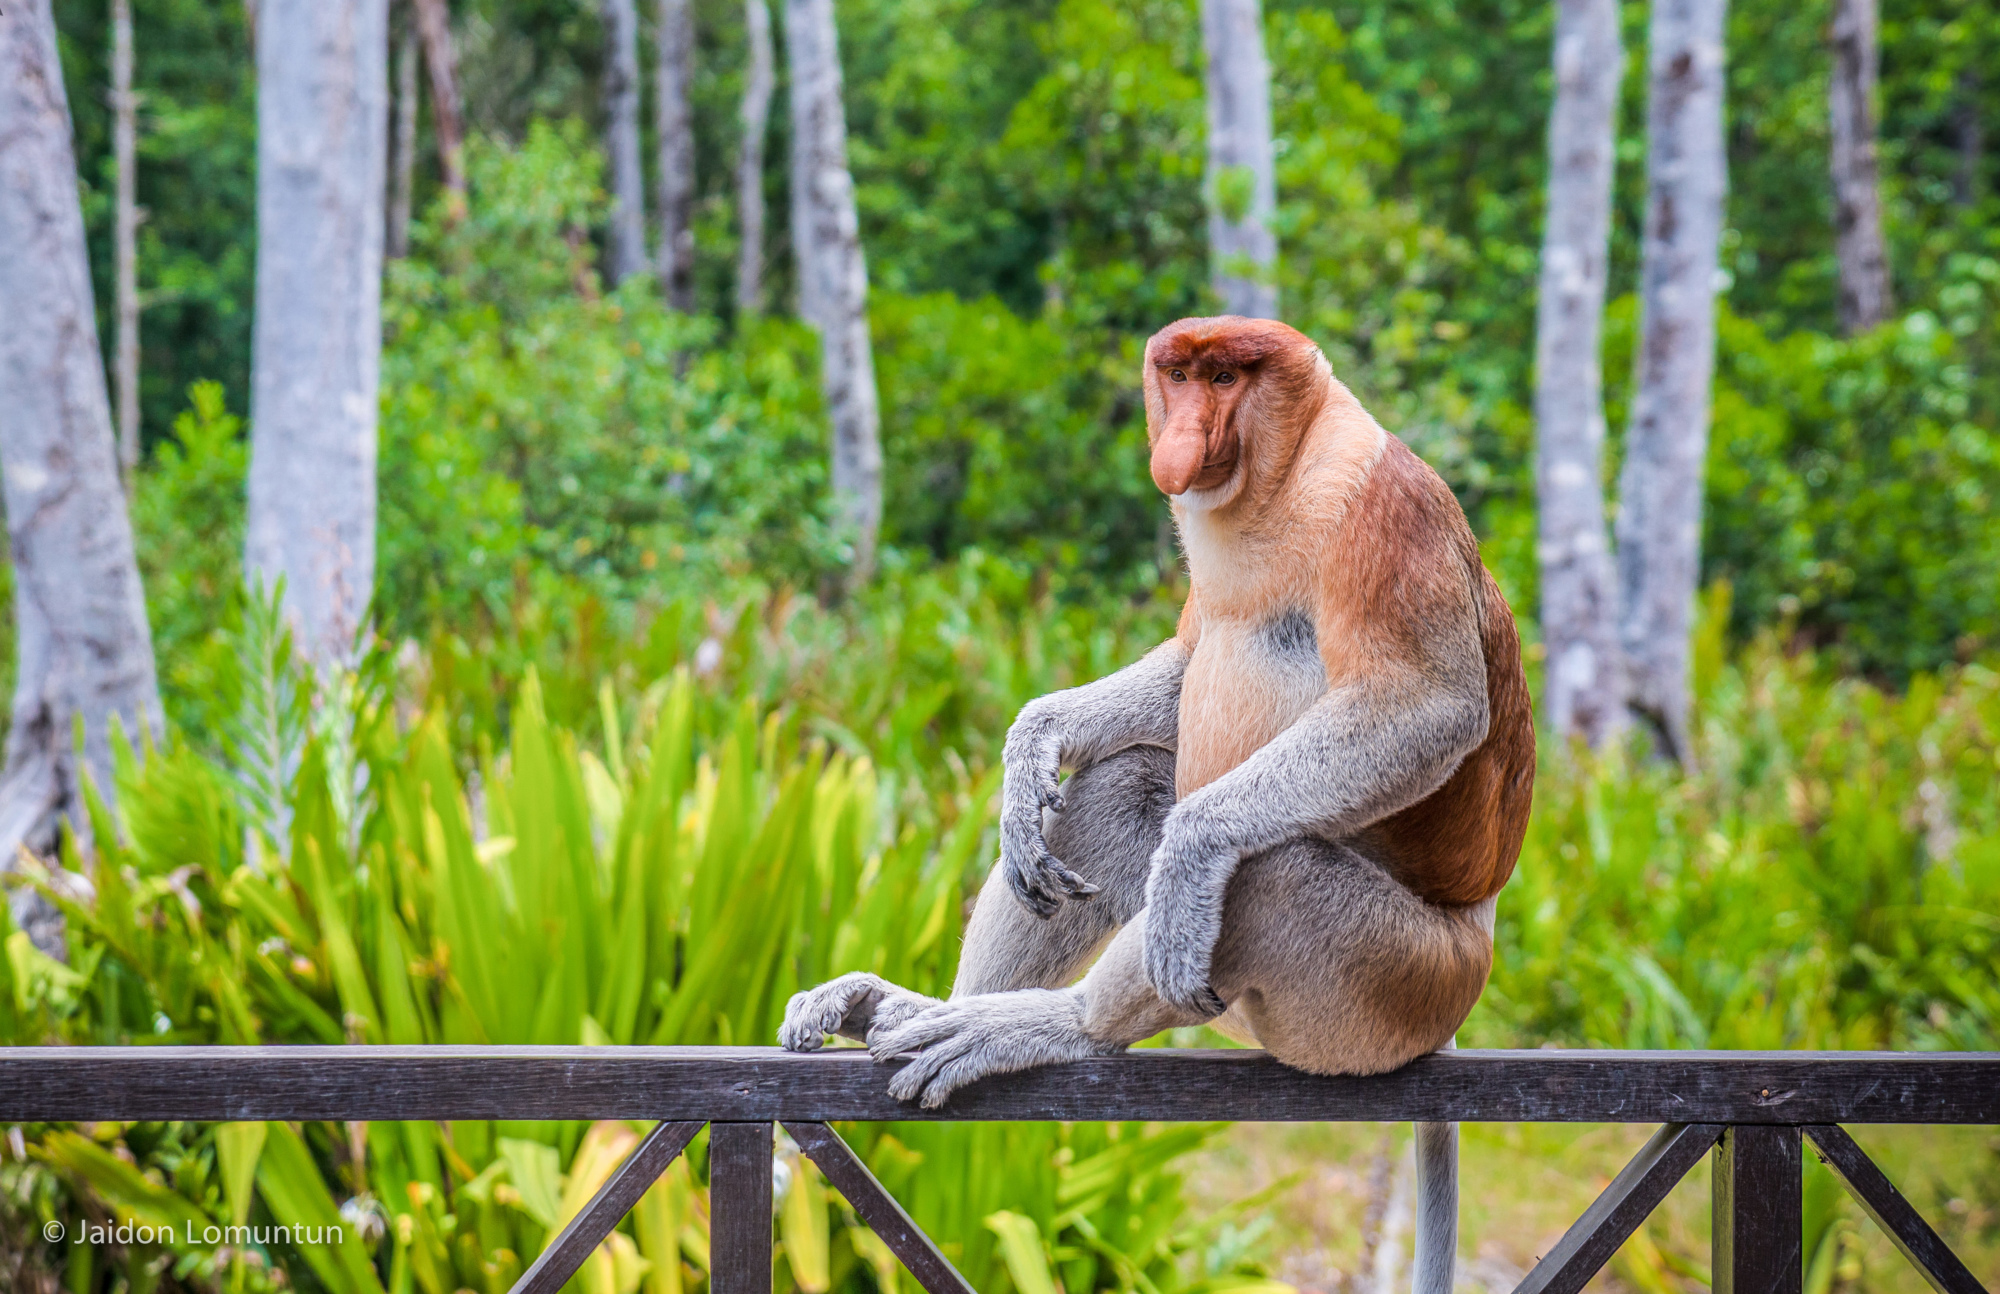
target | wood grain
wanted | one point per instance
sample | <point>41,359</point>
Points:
<point>739,1208</point>
<point>59,1084</point>
<point>1617,1213</point>
<point>559,1260</point>
<point>1894,1214</point>
<point>878,1208</point>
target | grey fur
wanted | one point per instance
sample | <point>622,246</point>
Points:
<point>1363,752</point>
<point>1139,705</point>
<point>1323,956</point>
<point>851,1006</point>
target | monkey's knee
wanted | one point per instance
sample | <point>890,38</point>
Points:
<point>1119,1004</point>
<point>1338,968</point>
<point>1110,825</point>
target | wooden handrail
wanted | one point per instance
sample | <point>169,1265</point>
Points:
<point>758,1084</point>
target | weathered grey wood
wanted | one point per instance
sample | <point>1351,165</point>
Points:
<point>1758,1200</point>
<point>742,1083</point>
<point>558,1262</point>
<point>1617,1213</point>
<point>1899,1221</point>
<point>878,1208</point>
<point>739,1208</point>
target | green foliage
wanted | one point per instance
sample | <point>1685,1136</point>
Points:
<point>674,881</point>
<point>1826,881</point>
<point>536,431</point>
<point>187,524</point>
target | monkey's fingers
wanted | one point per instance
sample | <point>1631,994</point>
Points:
<point>1073,884</point>
<point>1034,895</point>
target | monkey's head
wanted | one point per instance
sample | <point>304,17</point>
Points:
<point>1224,396</point>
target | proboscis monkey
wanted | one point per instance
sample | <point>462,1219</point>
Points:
<point>1291,819</point>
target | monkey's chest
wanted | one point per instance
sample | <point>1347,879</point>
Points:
<point>1246,683</point>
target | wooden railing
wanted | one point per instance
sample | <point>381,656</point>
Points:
<point>1754,1111</point>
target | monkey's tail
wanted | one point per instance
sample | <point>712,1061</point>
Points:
<point>1437,1206</point>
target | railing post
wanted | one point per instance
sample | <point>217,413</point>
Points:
<point>1758,1203</point>
<point>739,1201</point>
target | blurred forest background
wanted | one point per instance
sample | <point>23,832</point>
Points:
<point>637,723</point>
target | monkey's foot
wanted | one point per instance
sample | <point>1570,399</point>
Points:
<point>856,1005</point>
<point>993,1033</point>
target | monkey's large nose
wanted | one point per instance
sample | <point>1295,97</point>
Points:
<point>1178,454</point>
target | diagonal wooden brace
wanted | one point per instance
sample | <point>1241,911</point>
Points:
<point>1617,1213</point>
<point>878,1208</point>
<point>1899,1221</point>
<point>563,1255</point>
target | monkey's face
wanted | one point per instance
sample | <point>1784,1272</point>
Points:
<point>1199,442</point>
<point>1207,405</point>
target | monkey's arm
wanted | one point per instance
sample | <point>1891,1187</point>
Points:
<point>1137,706</point>
<point>1365,750</point>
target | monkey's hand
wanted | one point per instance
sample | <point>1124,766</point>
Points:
<point>1032,761</point>
<point>858,1006</point>
<point>1184,892</point>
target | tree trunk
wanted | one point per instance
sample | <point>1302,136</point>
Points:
<point>833,278</point>
<point>79,612</point>
<point>1971,139</point>
<point>322,135</point>
<point>1584,690</point>
<point>125,239</point>
<point>628,177</point>
<point>403,191</point>
<point>1857,204</point>
<point>758,81</point>
<point>675,126</point>
<point>447,115</point>
<point>1659,504</point>
<point>1242,186</point>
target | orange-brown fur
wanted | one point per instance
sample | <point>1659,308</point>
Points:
<point>1338,519</point>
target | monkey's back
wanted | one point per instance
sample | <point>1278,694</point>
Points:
<point>1459,844</point>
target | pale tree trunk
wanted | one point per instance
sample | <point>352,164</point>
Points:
<point>628,177</point>
<point>322,136</point>
<point>402,192</point>
<point>1971,139</point>
<point>1857,201</point>
<point>1666,444</point>
<point>447,116</point>
<point>79,612</point>
<point>833,278</point>
<point>1243,191</point>
<point>1584,690</point>
<point>125,239</point>
<point>675,125</point>
<point>759,78</point>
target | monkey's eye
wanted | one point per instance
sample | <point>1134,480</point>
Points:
<point>1225,379</point>
<point>1177,375</point>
